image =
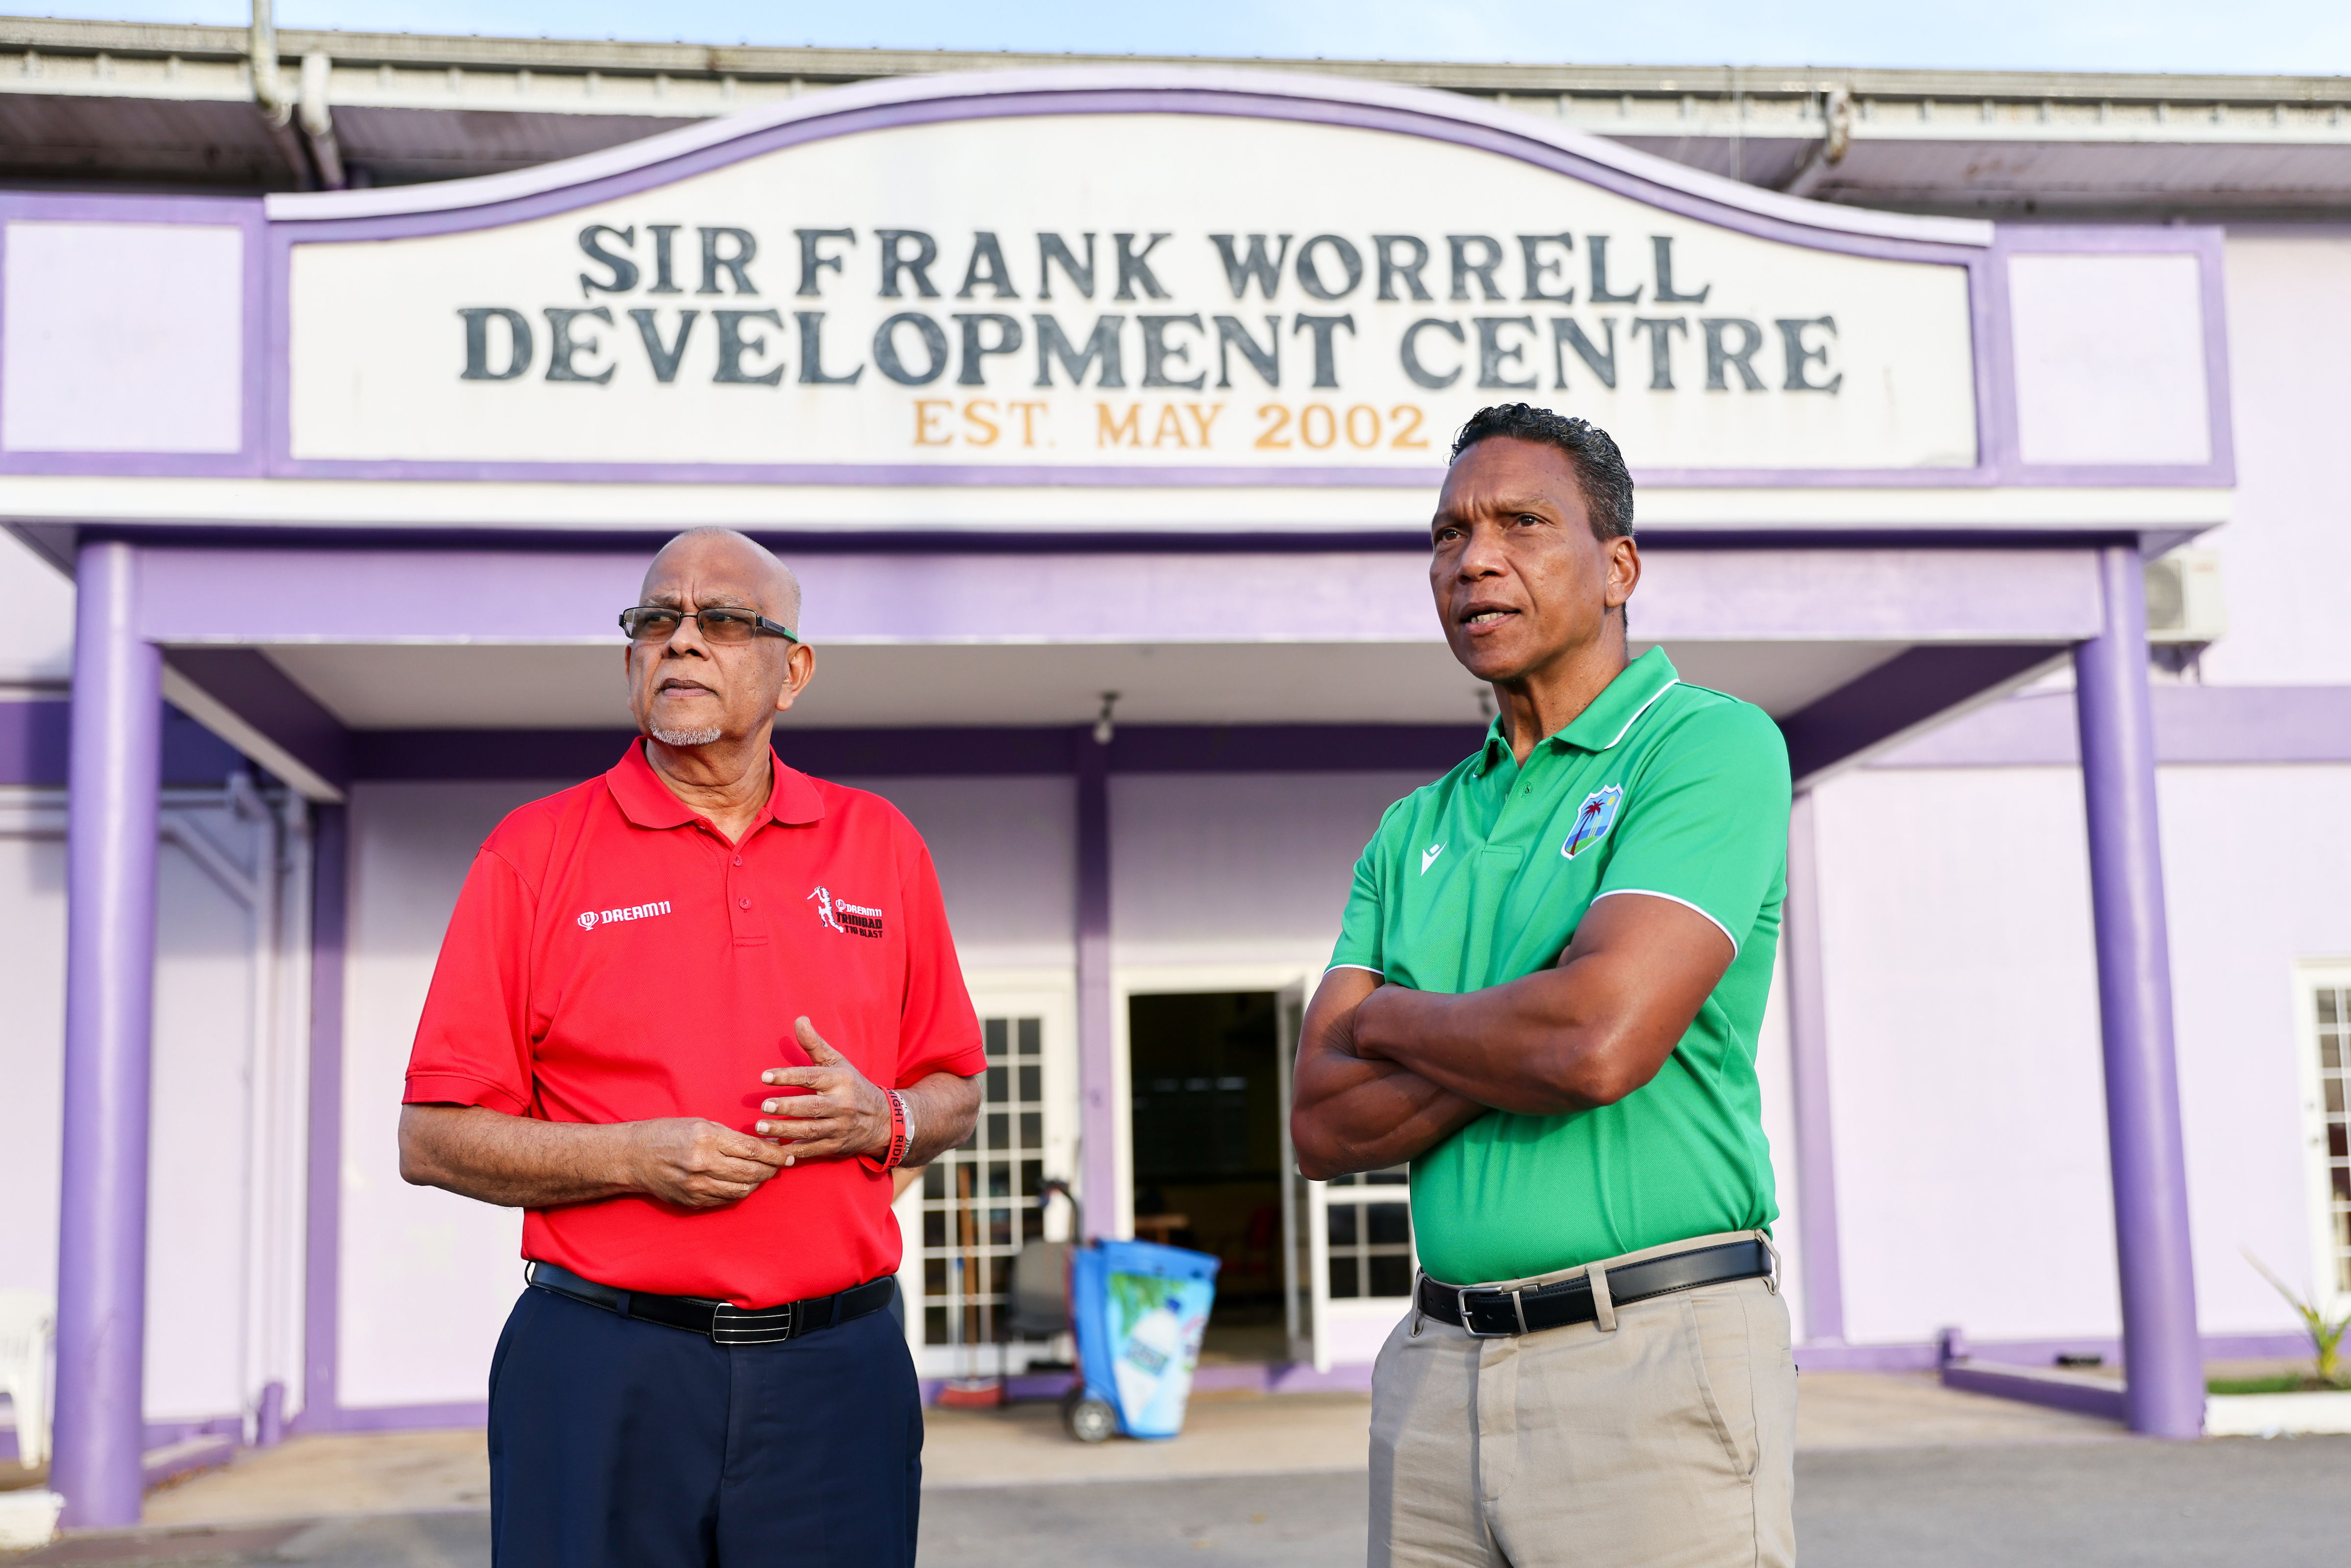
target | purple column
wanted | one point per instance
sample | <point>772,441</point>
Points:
<point>1808,1050</point>
<point>2165,1362</point>
<point>109,994</point>
<point>322,1242</point>
<point>1097,1057</point>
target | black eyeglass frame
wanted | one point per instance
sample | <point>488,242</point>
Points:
<point>732,611</point>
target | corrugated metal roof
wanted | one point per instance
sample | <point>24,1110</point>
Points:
<point>144,103</point>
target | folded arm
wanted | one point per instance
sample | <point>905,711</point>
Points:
<point>1587,1032</point>
<point>1348,1114</point>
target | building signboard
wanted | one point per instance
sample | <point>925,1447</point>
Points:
<point>1204,296</point>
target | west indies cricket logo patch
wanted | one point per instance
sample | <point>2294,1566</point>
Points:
<point>1592,819</point>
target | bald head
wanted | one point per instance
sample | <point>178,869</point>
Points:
<point>722,555</point>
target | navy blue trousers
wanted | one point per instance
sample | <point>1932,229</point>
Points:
<point>621,1444</point>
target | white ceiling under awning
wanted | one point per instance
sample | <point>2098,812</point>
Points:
<point>866,685</point>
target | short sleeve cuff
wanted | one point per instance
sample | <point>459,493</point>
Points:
<point>969,1062</point>
<point>1712,918</point>
<point>449,1089</point>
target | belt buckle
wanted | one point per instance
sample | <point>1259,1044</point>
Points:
<point>1470,1324</point>
<point>728,1324</point>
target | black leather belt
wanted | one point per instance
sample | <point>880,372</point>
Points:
<point>721,1322</point>
<point>1490,1313</point>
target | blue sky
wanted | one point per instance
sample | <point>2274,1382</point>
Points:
<point>2296,37</point>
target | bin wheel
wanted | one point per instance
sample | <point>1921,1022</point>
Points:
<point>1090,1420</point>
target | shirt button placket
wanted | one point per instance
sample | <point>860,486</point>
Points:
<point>738,901</point>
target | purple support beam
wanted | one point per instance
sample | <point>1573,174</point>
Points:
<point>1098,1107</point>
<point>322,1241</point>
<point>110,1003</point>
<point>2161,1350</point>
<point>1808,1050</point>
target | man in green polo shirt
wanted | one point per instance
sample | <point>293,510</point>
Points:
<point>1545,998</point>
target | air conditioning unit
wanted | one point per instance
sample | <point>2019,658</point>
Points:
<point>2183,599</point>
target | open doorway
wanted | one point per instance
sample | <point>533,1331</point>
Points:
<point>1206,1113</point>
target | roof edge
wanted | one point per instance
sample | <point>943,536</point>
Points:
<point>489,190</point>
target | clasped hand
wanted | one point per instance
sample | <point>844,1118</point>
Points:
<point>841,1114</point>
<point>699,1163</point>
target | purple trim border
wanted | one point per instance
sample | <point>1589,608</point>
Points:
<point>267,375</point>
<point>322,1283</point>
<point>2208,246</point>
<point>242,213</point>
<point>1083,96</point>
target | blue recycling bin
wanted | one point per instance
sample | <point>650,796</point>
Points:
<point>1141,1309</point>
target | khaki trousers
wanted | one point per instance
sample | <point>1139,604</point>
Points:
<point>1669,1442</point>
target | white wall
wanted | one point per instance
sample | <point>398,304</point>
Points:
<point>196,1195</point>
<point>37,638</point>
<point>1005,851</point>
<point>1963,1035</point>
<point>1214,868</point>
<point>425,1277</point>
<point>2287,552</point>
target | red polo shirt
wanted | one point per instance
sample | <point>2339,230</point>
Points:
<point>613,958</point>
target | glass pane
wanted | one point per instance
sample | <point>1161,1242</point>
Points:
<point>1032,1130</point>
<point>2330,1052</point>
<point>1391,1276</point>
<point>1343,1279</point>
<point>1032,1176</point>
<point>999,1179</point>
<point>2342,1183</point>
<point>1392,1177</point>
<point>1031,1030</point>
<point>1391,1223</point>
<point>998,1085</point>
<point>1340,1218</point>
<point>2334,1087</point>
<point>935,1228</point>
<point>1032,1083</point>
<point>2338,1141</point>
<point>1342,1181</point>
<point>2330,1008</point>
<point>1032,1226</point>
<point>935,1325</point>
<point>999,1228</point>
<point>934,1181</point>
<point>934,1276</point>
<point>993,1030</point>
<point>1000,1129</point>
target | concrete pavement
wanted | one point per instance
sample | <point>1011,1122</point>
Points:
<point>1894,1472</point>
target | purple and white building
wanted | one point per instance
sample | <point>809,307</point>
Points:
<point>1101,408</point>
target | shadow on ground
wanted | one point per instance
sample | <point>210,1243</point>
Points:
<point>2280,1504</point>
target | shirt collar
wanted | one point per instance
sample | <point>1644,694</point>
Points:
<point>1608,718</point>
<point>645,801</point>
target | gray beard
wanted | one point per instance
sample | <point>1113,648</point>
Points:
<point>688,736</point>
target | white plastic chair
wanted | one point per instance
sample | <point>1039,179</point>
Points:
<point>26,1320</point>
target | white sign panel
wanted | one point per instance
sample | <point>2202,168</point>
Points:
<point>1143,290</point>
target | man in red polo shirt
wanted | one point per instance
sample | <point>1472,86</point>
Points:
<point>691,1014</point>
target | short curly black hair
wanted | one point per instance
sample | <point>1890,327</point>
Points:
<point>1600,468</point>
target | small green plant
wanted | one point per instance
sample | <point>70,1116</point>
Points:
<point>2325,1334</point>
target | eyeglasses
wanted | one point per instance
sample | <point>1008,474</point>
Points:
<point>659,623</point>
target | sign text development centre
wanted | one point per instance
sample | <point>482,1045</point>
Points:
<point>1119,289</point>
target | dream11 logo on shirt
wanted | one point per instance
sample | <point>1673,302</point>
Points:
<point>590,919</point>
<point>849,919</point>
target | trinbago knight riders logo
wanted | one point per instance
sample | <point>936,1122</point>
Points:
<point>1592,819</point>
<point>849,919</point>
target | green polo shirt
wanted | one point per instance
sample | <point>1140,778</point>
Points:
<point>1658,788</point>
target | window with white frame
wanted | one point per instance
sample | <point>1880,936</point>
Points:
<point>1369,1236</point>
<point>980,1199</point>
<point>2328,999</point>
